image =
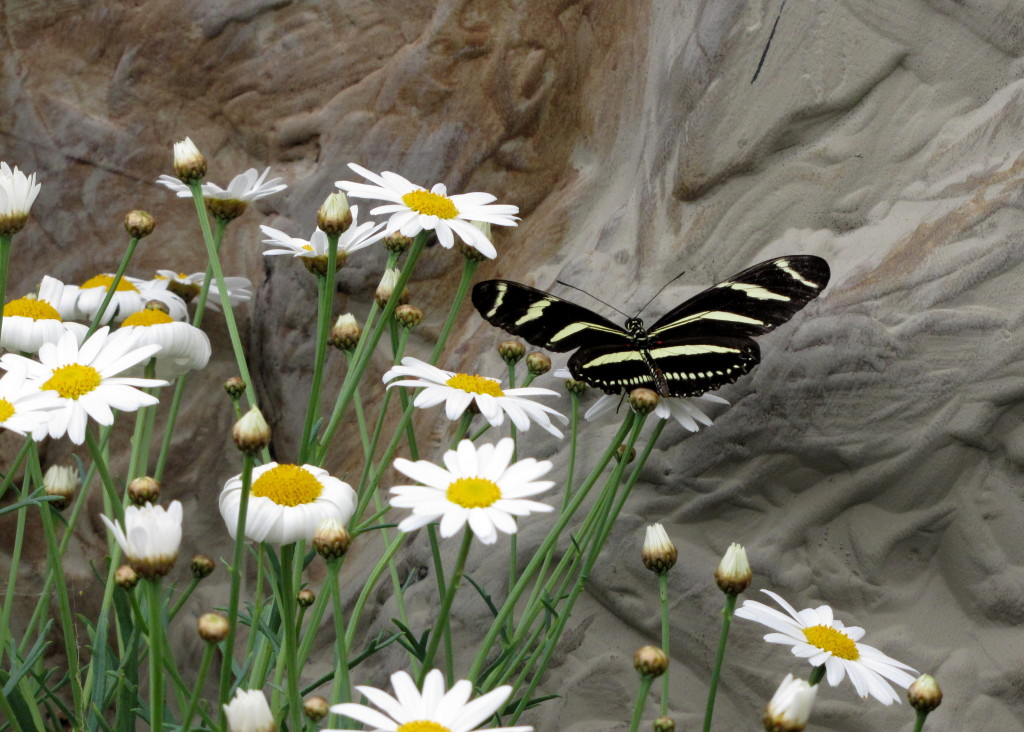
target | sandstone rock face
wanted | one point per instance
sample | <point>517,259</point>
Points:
<point>872,461</point>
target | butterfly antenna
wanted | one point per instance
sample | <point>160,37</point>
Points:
<point>594,297</point>
<point>660,291</point>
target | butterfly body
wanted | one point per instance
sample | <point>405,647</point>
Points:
<point>702,344</point>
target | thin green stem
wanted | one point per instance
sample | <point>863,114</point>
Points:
<point>156,656</point>
<point>12,577</point>
<point>182,598</point>
<point>325,302</point>
<point>112,287</point>
<point>371,581</point>
<point>197,689</point>
<point>287,604</point>
<point>341,689</point>
<point>468,268</point>
<point>716,672</point>
<point>663,599</point>
<point>446,604</point>
<point>919,721</point>
<point>641,701</point>
<point>237,571</point>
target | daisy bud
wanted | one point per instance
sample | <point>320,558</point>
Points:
<point>305,598</point>
<point>511,351</point>
<point>226,209</point>
<point>650,661</point>
<point>575,387</point>
<point>189,163</point>
<point>139,224</point>
<point>143,490</point>
<point>620,453</point>
<point>643,401</point>
<point>471,253</point>
<point>248,711</point>
<point>790,708</point>
<point>60,481</point>
<point>334,216</point>
<point>316,708</point>
<point>251,433</point>
<point>538,363</point>
<point>396,243</point>
<point>345,333</point>
<point>924,694</point>
<point>125,577</point>
<point>409,316</point>
<point>659,553</point>
<point>733,574</point>
<point>664,724</point>
<point>212,627</point>
<point>235,387</point>
<point>386,288</point>
<point>202,566</point>
<point>331,539</point>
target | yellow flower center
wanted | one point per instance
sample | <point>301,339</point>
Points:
<point>28,307</point>
<point>73,380</point>
<point>431,204</point>
<point>6,410</point>
<point>287,485</point>
<point>473,492</point>
<point>475,384</point>
<point>148,317</point>
<point>104,281</point>
<point>422,726</point>
<point>832,640</point>
<point>307,247</point>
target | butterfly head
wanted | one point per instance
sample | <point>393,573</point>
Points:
<point>635,327</point>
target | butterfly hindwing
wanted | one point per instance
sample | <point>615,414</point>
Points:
<point>542,319</point>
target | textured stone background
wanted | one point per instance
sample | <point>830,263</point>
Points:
<point>872,462</point>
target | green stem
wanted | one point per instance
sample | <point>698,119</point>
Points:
<point>371,581</point>
<point>641,701</point>
<point>112,288</point>
<point>341,690</point>
<point>446,604</point>
<point>663,598</point>
<point>156,655</point>
<point>182,598</point>
<point>716,672</point>
<point>288,623</point>
<point>12,577</point>
<point>197,690</point>
<point>237,570</point>
<point>325,302</point>
<point>468,268</point>
<point>919,722</point>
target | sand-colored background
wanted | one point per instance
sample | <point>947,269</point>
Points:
<point>872,461</point>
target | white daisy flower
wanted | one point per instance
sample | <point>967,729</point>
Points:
<point>183,347</point>
<point>85,379</point>
<point>817,636</point>
<point>131,296</point>
<point>17,194</point>
<point>248,711</point>
<point>23,408</point>
<point>790,707</point>
<point>287,503</point>
<point>188,287</point>
<point>458,391</point>
<point>414,209</point>
<point>477,485</point>
<point>356,237</point>
<point>29,322</point>
<point>150,537</point>
<point>684,410</point>
<point>247,186</point>
<point>432,710</point>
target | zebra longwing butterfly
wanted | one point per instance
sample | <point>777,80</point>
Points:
<point>702,344</point>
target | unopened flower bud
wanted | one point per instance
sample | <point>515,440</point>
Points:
<point>202,566</point>
<point>125,577</point>
<point>334,216</point>
<point>790,707</point>
<point>316,708</point>
<point>643,401</point>
<point>620,453</point>
<point>511,351</point>
<point>650,661</point>
<point>659,553</point>
<point>305,598</point>
<point>575,387</point>
<point>387,287</point>
<point>664,724</point>
<point>331,539</point>
<point>235,387</point>
<point>538,363</point>
<point>60,481</point>
<point>345,333</point>
<point>143,490</point>
<point>396,242</point>
<point>409,316</point>
<point>733,574</point>
<point>924,694</point>
<point>213,627</point>
<point>139,224</point>
<point>189,163</point>
<point>251,433</point>
<point>226,209</point>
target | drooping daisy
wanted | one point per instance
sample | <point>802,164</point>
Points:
<point>458,391</point>
<point>287,503</point>
<point>183,347</point>
<point>150,537</point>
<point>248,711</point>
<point>356,237</point>
<point>432,710</point>
<point>29,322</point>
<point>480,486</point>
<point>23,408</point>
<point>247,186</point>
<point>817,636</point>
<point>85,379</point>
<point>17,194</point>
<point>131,296</point>
<point>414,209</point>
<point>188,287</point>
